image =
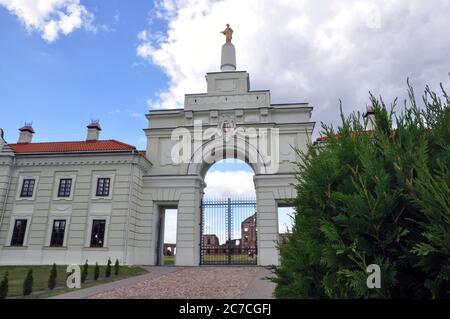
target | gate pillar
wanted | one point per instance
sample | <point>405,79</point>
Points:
<point>188,225</point>
<point>270,190</point>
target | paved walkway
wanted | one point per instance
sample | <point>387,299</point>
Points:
<point>88,292</point>
<point>260,287</point>
<point>185,283</point>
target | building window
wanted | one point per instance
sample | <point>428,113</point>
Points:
<point>103,186</point>
<point>58,231</point>
<point>27,188</point>
<point>98,233</point>
<point>18,235</point>
<point>65,186</point>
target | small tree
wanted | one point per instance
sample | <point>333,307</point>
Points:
<point>4,287</point>
<point>108,269</point>
<point>116,267</point>
<point>52,278</point>
<point>96,271</point>
<point>28,283</point>
<point>84,272</point>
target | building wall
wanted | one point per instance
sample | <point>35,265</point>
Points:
<point>271,190</point>
<point>184,193</point>
<point>120,211</point>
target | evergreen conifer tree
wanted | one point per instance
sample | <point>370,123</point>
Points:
<point>28,283</point>
<point>380,197</point>
<point>52,278</point>
<point>108,269</point>
<point>4,286</point>
<point>116,267</point>
<point>96,271</point>
<point>85,271</point>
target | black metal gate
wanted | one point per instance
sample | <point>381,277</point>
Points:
<point>228,232</point>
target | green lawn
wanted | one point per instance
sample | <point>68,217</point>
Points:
<point>17,274</point>
<point>169,260</point>
<point>223,258</point>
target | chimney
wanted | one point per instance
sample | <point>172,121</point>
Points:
<point>2,139</point>
<point>26,133</point>
<point>370,119</point>
<point>93,132</point>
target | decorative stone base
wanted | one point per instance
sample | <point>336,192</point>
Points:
<point>228,58</point>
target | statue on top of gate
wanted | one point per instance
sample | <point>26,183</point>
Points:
<point>228,33</point>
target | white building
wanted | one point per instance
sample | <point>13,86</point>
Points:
<point>97,199</point>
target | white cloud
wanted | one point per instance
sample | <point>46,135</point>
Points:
<point>229,184</point>
<point>137,115</point>
<point>142,143</point>
<point>170,226</point>
<point>132,114</point>
<point>117,16</point>
<point>285,219</point>
<point>304,51</point>
<point>52,18</point>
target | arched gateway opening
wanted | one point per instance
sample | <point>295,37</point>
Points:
<point>228,215</point>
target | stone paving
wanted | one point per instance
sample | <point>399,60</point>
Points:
<point>186,283</point>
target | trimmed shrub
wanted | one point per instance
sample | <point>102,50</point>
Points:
<point>4,287</point>
<point>52,278</point>
<point>85,271</point>
<point>96,271</point>
<point>380,197</point>
<point>116,267</point>
<point>108,269</point>
<point>28,283</point>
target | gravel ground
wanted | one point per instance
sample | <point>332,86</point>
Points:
<point>189,283</point>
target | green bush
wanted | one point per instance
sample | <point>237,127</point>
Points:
<point>4,287</point>
<point>52,278</point>
<point>28,283</point>
<point>84,272</point>
<point>116,267</point>
<point>96,271</point>
<point>108,269</point>
<point>378,197</point>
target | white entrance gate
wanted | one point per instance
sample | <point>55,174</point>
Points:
<point>228,121</point>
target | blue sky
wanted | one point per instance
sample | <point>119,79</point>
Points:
<point>122,57</point>
<point>61,86</point>
<point>66,62</point>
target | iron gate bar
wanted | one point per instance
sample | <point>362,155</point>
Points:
<point>219,221</point>
<point>230,234</point>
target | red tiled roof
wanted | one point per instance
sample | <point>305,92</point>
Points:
<point>71,147</point>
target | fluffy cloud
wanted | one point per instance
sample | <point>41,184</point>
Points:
<point>304,51</point>
<point>229,184</point>
<point>51,18</point>
<point>170,226</point>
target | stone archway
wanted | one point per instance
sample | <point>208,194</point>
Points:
<point>223,151</point>
<point>228,106</point>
